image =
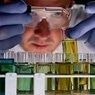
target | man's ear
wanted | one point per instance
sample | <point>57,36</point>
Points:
<point>72,3</point>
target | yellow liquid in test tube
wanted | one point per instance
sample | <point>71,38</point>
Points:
<point>70,49</point>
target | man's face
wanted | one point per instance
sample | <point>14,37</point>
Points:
<point>44,37</point>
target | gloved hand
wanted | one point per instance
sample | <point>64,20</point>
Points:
<point>87,26</point>
<point>12,18</point>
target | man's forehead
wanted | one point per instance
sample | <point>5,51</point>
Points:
<point>49,3</point>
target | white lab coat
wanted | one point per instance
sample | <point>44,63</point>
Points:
<point>78,14</point>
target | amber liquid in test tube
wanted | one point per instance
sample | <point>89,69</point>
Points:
<point>63,84</point>
<point>70,50</point>
<point>79,66</point>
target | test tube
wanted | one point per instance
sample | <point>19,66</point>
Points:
<point>81,84</point>
<point>63,68</point>
<point>22,60</point>
<point>6,65</point>
<point>92,72</point>
<point>44,65</point>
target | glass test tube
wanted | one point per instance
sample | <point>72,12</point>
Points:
<point>23,67</point>
<point>45,65</point>
<point>6,65</point>
<point>70,50</point>
<point>78,84</point>
<point>62,68</point>
<point>81,68</point>
<point>92,72</point>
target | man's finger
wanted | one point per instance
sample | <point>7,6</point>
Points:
<point>7,19</point>
<point>10,31</point>
<point>91,39</point>
<point>14,7</point>
<point>81,28</point>
<point>11,42</point>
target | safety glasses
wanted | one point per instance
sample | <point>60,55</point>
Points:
<point>57,17</point>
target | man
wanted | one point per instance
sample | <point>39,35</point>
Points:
<point>8,40</point>
<point>46,30</point>
<point>44,38</point>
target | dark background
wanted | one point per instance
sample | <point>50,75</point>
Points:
<point>77,1</point>
<point>82,1</point>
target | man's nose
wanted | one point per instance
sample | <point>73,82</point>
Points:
<point>42,28</point>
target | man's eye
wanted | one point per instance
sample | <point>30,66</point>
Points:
<point>57,14</point>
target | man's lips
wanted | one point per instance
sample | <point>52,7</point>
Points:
<point>39,45</point>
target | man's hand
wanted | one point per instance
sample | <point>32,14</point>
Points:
<point>12,18</point>
<point>85,27</point>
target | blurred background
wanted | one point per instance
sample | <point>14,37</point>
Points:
<point>82,1</point>
<point>77,1</point>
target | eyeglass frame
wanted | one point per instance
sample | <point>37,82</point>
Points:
<point>53,9</point>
